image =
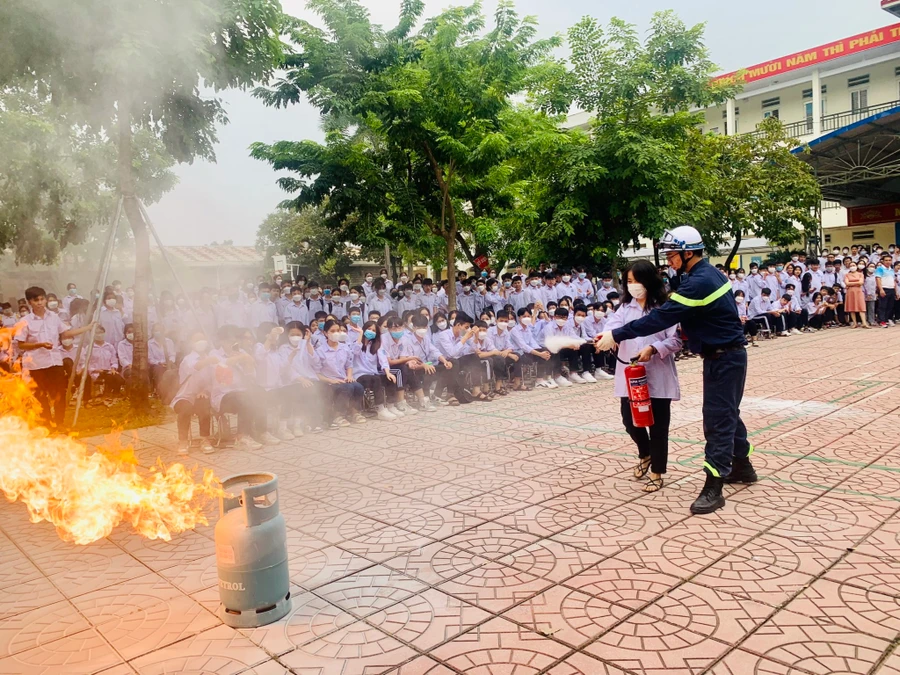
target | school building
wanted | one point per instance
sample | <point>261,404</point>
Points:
<point>841,100</point>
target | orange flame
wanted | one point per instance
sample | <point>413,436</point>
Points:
<point>84,493</point>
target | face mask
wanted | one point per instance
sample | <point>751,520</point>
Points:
<point>53,304</point>
<point>381,292</point>
<point>789,292</point>
<point>129,336</point>
<point>795,258</point>
<point>778,268</point>
<point>356,318</point>
<point>535,282</point>
<point>200,346</point>
<point>354,297</point>
<point>396,334</point>
<point>327,292</point>
<point>73,291</point>
<point>566,279</point>
<point>467,290</point>
<point>249,285</point>
<point>739,300</point>
<point>582,275</point>
<point>442,325</point>
<point>616,303</point>
<point>607,284</point>
<point>298,298</point>
<point>369,334</point>
<point>501,325</point>
<point>384,276</point>
<point>417,287</point>
<point>852,268</point>
<point>732,276</point>
<point>314,293</point>
<point>579,320</point>
<point>771,270</point>
<point>561,322</point>
<point>404,279</point>
<point>484,275</point>
<point>421,332</point>
<point>830,270</point>
<point>526,320</point>
<point>68,342</point>
<point>480,288</point>
<point>637,291</point>
<point>482,335</point>
<point>294,340</point>
<point>507,284</point>
<point>740,275</point>
<point>408,294</point>
<point>599,314</point>
<point>871,269</point>
<point>265,296</point>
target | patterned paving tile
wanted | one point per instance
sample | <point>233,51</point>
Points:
<point>815,646</point>
<point>865,572</point>
<point>551,560</point>
<point>81,653</point>
<point>370,590</point>
<point>864,610</point>
<point>220,650</point>
<point>492,540</point>
<point>494,586</point>
<point>435,563</point>
<point>40,626</point>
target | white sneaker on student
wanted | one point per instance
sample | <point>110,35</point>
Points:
<point>297,429</point>
<point>206,446</point>
<point>550,384</point>
<point>562,382</point>
<point>576,378</point>
<point>795,331</point>
<point>282,432</point>
<point>385,415</point>
<point>395,411</point>
<point>603,375</point>
<point>269,439</point>
<point>247,444</point>
<point>587,377</point>
<point>358,418</point>
<point>428,406</point>
<point>183,447</point>
<point>890,323</point>
<point>542,383</point>
<point>406,409</point>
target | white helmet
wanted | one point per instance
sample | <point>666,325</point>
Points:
<point>682,238</point>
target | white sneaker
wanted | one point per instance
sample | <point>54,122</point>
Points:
<point>340,422</point>
<point>784,334</point>
<point>282,432</point>
<point>297,429</point>
<point>246,443</point>
<point>395,411</point>
<point>890,323</point>
<point>269,439</point>
<point>206,446</point>
<point>408,410</point>
<point>603,375</point>
<point>428,406</point>
<point>358,419</point>
<point>550,384</point>
<point>576,378</point>
<point>587,377</point>
<point>795,331</point>
<point>562,382</point>
<point>385,415</point>
<point>542,383</point>
<point>183,447</point>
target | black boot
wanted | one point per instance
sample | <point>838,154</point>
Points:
<point>710,498</point>
<point>742,471</point>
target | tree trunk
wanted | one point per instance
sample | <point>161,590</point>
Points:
<point>734,249</point>
<point>140,370</point>
<point>450,239</point>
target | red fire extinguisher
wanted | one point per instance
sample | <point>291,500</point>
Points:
<point>639,395</point>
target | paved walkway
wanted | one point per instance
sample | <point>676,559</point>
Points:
<point>509,539</point>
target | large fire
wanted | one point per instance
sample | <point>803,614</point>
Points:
<point>85,493</point>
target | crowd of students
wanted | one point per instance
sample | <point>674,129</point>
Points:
<point>291,356</point>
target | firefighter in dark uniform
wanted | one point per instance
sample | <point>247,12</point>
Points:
<point>705,307</point>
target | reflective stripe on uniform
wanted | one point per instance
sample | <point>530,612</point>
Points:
<point>709,467</point>
<point>690,302</point>
<point>751,450</point>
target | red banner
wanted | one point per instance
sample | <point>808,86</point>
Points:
<point>823,54</point>
<point>873,215</point>
<point>481,261</point>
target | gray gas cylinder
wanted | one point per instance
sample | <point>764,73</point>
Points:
<point>251,552</point>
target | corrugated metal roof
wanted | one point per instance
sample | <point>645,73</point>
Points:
<point>215,255</point>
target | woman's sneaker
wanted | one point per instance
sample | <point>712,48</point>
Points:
<point>395,411</point>
<point>587,377</point>
<point>246,444</point>
<point>269,439</point>
<point>385,415</point>
<point>358,419</point>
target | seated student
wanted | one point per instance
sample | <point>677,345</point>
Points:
<point>192,398</point>
<point>487,351</point>
<point>111,318</point>
<point>830,301</point>
<point>233,389</point>
<point>160,355</point>
<point>335,370</point>
<point>296,310</point>
<point>764,312</point>
<point>406,302</point>
<point>103,368</point>
<point>125,353</point>
<point>500,337</point>
<point>426,365</point>
<point>380,301</point>
<point>456,347</point>
<point>354,328</point>
<point>269,367</point>
<point>816,310</point>
<point>559,327</point>
<point>301,378</point>
<point>751,328</point>
<point>392,333</point>
<point>797,314</point>
<point>67,349</point>
<point>587,352</point>
<point>530,353</point>
<point>439,323</point>
<point>317,328</point>
<point>372,370</point>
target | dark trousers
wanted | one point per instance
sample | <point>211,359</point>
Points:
<point>112,383</point>
<point>751,328</point>
<point>416,379</point>
<point>185,410</point>
<point>542,366</point>
<point>724,376</point>
<point>652,442</point>
<point>156,373</point>
<point>251,416</point>
<point>817,320</point>
<point>797,320</point>
<point>378,385</point>
<point>886,306</point>
<point>345,397</point>
<point>50,391</point>
<point>567,356</point>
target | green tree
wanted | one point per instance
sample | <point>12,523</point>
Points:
<point>153,65</point>
<point>628,177</point>
<point>752,185</point>
<point>416,122</point>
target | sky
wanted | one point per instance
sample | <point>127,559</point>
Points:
<point>230,198</point>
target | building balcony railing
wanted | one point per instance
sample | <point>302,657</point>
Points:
<point>834,121</point>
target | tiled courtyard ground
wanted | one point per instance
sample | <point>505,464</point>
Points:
<point>509,539</point>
